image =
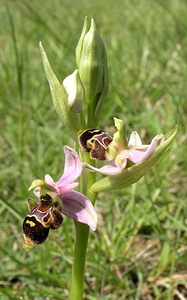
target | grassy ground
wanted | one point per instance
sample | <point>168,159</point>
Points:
<point>139,248</point>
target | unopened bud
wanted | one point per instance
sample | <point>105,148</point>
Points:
<point>75,92</point>
<point>92,65</point>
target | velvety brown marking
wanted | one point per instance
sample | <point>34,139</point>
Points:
<point>107,140</point>
<point>57,219</point>
<point>43,207</point>
<point>85,136</point>
<point>38,233</point>
<point>103,139</point>
<point>100,146</point>
<point>98,151</point>
<point>47,219</point>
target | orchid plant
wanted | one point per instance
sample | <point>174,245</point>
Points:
<point>78,101</point>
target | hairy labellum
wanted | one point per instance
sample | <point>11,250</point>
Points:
<point>34,232</point>
<point>96,142</point>
<point>37,223</point>
<point>57,219</point>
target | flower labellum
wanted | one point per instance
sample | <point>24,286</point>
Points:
<point>42,217</point>
<point>96,142</point>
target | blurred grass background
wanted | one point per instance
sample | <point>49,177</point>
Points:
<point>139,249</point>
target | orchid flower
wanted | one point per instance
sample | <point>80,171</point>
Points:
<point>72,204</point>
<point>120,151</point>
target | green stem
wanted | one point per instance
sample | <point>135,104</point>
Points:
<point>91,122</point>
<point>77,279</point>
<point>81,242</point>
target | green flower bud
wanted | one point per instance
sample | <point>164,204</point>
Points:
<point>92,65</point>
<point>75,92</point>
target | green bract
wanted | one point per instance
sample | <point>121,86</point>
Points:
<point>80,42</point>
<point>60,99</point>
<point>137,171</point>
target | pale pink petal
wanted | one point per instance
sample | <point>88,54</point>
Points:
<point>72,168</point>
<point>49,180</point>
<point>37,192</point>
<point>134,139</point>
<point>110,169</point>
<point>67,188</point>
<point>137,155</point>
<point>152,146</point>
<point>77,206</point>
